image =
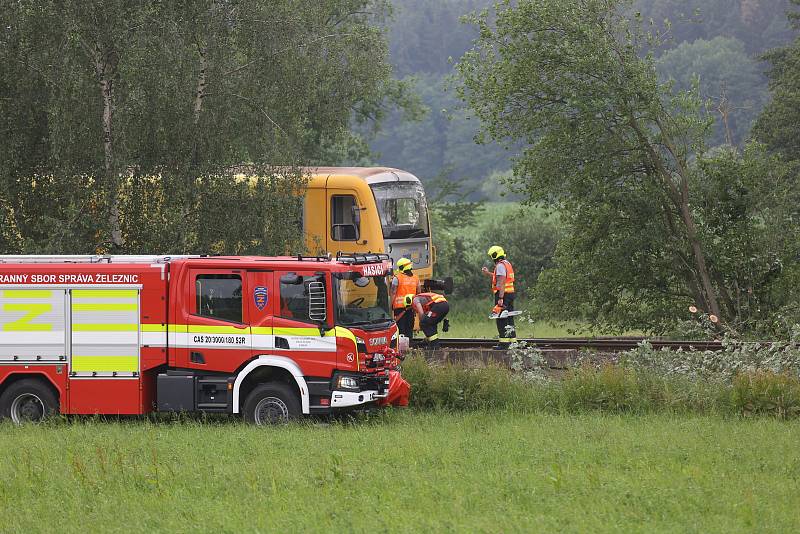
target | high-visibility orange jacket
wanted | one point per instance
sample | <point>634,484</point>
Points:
<point>508,286</point>
<point>406,285</point>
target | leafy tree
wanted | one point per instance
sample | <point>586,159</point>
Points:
<point>729,80</point>
<point>441,141</point>
<point>128,121</point>
<point>617,154</point>
<point>779,125</point>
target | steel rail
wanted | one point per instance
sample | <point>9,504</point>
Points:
<point>599,344</point>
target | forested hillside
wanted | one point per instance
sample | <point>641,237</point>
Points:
<point>719,41</point>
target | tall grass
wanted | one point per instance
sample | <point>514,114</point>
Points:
<point>607,388</point>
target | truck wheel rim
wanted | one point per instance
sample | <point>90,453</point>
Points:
<point>271,410</point>
<point>27,407</point>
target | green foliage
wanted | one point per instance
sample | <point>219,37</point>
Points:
<point>653,222</point>
<point>464,231</point>
<point>165,100</point>
<point>730,79</point>
<point>443,141</point>
<point>767,393</point>
<point>778,124</point>
<point>454,387</point>
<point>609,388</point>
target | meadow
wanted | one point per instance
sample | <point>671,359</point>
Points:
<point>405,471</point>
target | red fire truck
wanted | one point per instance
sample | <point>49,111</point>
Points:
<point>267,338</point>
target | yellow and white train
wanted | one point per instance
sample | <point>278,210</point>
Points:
<point>369,209</point>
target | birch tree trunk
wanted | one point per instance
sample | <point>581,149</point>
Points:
<point>106,62</point>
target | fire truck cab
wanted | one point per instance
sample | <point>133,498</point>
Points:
<point>270,339</point>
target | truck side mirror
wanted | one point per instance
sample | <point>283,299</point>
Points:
<point>317,302</point>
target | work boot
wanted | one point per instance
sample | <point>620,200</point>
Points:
<point>433,345</point>
<point>501,346</point>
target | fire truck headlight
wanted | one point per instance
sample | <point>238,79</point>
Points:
<point>347,382</point>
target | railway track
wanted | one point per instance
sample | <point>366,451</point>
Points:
<point>618,344</point>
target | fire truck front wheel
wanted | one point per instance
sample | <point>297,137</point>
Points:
<point>28,400</point>
<point>270,404</point>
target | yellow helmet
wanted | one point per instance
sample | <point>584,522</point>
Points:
<point>408,300</point>
<point>496,252</point>
<point>404,264</point>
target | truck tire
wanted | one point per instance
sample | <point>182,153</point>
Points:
<point>28,400</point>
<point>270,404</point>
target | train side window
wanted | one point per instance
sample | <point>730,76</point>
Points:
<point>219,296</point>
<point>345,220</point>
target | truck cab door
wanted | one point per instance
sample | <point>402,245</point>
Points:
<point>261,303</point>
<point>297,336</point>
<point>217,336</point>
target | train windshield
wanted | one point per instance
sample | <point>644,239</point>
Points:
<point>402,208</point>
<point>362,300</point>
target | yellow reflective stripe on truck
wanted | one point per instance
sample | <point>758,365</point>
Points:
<point>101,327</point>
<point>121,364</point>
<point>24,324</point>
<point>292,331</point>
<point>105,306</point>
<point>105,293</point>
<point>27,293</point>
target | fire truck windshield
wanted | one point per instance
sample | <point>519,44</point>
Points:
<point>362,301</point>
<point>402,208</point>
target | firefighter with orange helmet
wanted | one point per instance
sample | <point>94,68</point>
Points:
<point>503,289</point>
<point>404,283</point>
<point>432,308</point>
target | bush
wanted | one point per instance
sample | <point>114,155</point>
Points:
<point>609,388</point>
<point>455,387</point>
<point>767,393</point>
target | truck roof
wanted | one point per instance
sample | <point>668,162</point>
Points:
<point>340,262</point>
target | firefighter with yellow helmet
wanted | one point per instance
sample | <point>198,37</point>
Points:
<point>503,289</point>
<point>404,283</point>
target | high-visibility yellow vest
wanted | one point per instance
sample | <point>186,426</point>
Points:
<point>508,286</point>
<point>406,285</point>
<point>426,300</point>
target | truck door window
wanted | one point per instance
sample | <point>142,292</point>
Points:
<point>294,301</point>
<point>345,224</point>
<point>219,296</point>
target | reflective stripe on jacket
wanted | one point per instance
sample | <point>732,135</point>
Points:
<point>426,300</point>
<point>508,287</point>
<point>406,285</point>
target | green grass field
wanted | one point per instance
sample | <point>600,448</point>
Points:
<point>405,471</point>
<point>470,319</point>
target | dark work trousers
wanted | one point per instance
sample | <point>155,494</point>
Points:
<point>506,331</point>
<point>404,317</point>
<point>437,312</point>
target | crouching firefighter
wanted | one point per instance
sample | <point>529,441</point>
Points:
<point>503,289</point>
<point>404,283</point>
<point>432,309</point>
